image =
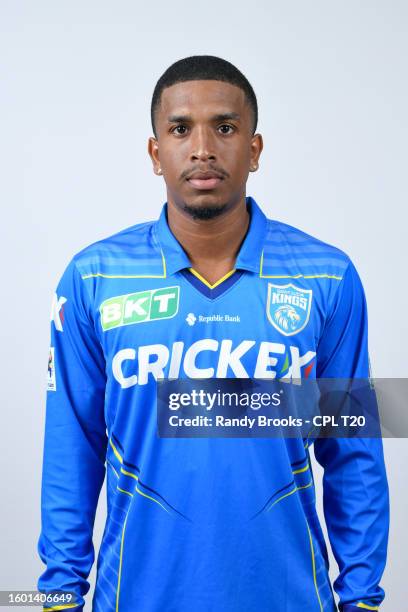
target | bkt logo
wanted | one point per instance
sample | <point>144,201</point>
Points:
<point>288,308</point>
<point>140,307</point>
<point>57,311</point>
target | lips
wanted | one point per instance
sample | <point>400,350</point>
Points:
<point>205,180</point>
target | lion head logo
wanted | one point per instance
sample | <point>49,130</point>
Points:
<point>288,307</point>
<point>286,317</point>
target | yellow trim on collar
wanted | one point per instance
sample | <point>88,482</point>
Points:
<point>206,283</point>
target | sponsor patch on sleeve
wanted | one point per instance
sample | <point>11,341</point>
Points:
<point>51,382</point>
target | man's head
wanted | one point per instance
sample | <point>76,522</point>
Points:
<point>204,116</point>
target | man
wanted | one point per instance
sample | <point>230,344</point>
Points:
<point>205,524</point>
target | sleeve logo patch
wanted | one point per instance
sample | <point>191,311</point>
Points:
<point>142,307</point>
<point>288,308</point>
<point>51,383</point>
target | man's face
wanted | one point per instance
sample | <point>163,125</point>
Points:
<point>204,146</point>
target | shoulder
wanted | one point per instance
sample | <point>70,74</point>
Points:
<point>133,249</point>
<point>291,251</point>
<point>118,242</point>
<point>295,237</point>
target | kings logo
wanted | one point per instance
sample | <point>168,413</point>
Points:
<point>288,308</point>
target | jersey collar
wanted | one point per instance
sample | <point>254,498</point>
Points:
<point>249,255</point>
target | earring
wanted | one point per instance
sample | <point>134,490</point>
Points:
<point>159,170</point>
<point>254,167</point>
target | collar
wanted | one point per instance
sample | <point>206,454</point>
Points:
<point>248,257</point>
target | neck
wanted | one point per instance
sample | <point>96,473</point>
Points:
<point>212,245</point>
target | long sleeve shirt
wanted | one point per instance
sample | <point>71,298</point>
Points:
<point>205,524</point>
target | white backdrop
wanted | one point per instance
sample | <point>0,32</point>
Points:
<point>77,79</point>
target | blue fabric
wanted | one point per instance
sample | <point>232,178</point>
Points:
<point>210,523</point>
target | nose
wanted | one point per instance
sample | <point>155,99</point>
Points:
<point>202,144</point>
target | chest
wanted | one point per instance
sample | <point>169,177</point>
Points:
<point>250,327</point>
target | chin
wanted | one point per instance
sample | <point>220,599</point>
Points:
<point>204,210</point>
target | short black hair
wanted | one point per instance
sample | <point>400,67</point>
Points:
<point>199,68</point>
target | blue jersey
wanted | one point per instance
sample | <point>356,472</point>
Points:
<point>205,524</point>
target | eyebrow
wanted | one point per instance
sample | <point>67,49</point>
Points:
<point>188,118</point>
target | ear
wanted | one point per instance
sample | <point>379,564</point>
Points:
<point>256,150</point>
<point>153,150</point>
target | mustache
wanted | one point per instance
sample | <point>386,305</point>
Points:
<point>187,173</point>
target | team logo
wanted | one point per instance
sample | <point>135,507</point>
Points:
<point>51,384</point>
<point>288,308</point>
<point>140,307</point>
<point>57,311</point>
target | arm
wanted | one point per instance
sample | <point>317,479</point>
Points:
<point>355,490</point>
<point>74,444</point>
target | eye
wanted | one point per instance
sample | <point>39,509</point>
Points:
<point>179,127</point>
<point>226,125</point>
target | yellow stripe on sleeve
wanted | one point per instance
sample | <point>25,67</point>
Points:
<point>115,450</point>
<point>126,473</point>
<point>314,566</point>
<point>61,607</point>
